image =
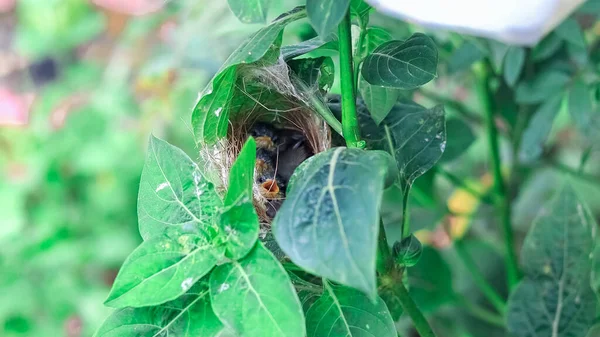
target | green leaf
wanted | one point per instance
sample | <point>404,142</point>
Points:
<point>379,100</point>
<point>315,72</point>
<point>582,111</point>
<point>239,221</point>
<point>463,57</point>
<point>497,52</point>
<point>210,117</point>
<point>329,222</point>
<point>292,51</point>
<point>547,47</point>
<point>407,252</point>
<point>544,86</point>
<point>308,293</point>
<point>161,269</point>
<point>250,11</point>
<point>538,129</point>
<point>374,37</point>
<point>431,281</point>
<point>360,10</point>
<point>594,331</point>
<point>189,316</point>
<point>343,311</point>
<point>555,298</point>
<point>174,195</point>
<point>241,175</point>
<point>254,296</point>
<point>326,15</point>
<point>513,65</point>
<point>402,64</point>
<point>460,137</point>
<point>570,31</point>
<point>413,135</point>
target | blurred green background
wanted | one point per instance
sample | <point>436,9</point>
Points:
<point>82,86</point>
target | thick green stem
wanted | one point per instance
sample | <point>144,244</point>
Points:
<point>405,229</point>
<point>410,307</point>
<point>349,120</point>
<point>488,291</point>
<point>503,201</point>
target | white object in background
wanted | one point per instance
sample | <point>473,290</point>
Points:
<point>520,22</point>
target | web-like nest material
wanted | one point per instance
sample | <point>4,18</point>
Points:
<point>265,94</point>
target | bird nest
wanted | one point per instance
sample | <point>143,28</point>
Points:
<point>267,96</point>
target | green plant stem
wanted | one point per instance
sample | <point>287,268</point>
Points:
<point>488,291</point>
<point>384,256</point>
<point>584,157</point>
<point>359,53</point>
<point>405,229</point>
<point>480,313</point>
<point>410,307</point>
<point>456,181</point>
<point>350,128</point>
<point>502,201</point>
<point>321,108</point>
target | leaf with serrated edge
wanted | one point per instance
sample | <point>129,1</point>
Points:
<point>250,11</point>
<point>343,311</point>
<point>325,15</point>
<point>174,195</point>
<point>329,222</point>
<point>188,316</point>
<point>161,269</point>
<point>255,298</point>
<point>555,299</point>
<point>413,135</point>
<point>402,64</point>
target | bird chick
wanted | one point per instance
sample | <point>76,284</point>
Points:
<point>295,152</point>
<point>265,136</point>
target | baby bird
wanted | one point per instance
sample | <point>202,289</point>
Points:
<point>265,136</point>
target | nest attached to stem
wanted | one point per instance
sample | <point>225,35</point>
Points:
<point>268,95</point>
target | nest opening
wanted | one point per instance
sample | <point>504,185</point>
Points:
<point>269,107</point>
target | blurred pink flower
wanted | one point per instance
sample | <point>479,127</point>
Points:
<point>7,5</point>
<point>14,108</point>
<point>131,7</point>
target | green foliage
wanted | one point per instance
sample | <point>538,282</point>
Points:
<point>343,311</point>
<point>402,64</point>
<point>328,224</point>
<point>211,114</point>
<point>415,143</point>
<point>543,87</point>
<point>461,136</point>
<point>513,65</point>
<point>254,296</point>
<point>238,219</point>
<point>174,195</point>
<point>161,269</point>
<point>326,15</point>
<point>555,298</point>
<point>188,316</point>
<point>253,11</point>
<point>538,129</point>
<point>408,251</point>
